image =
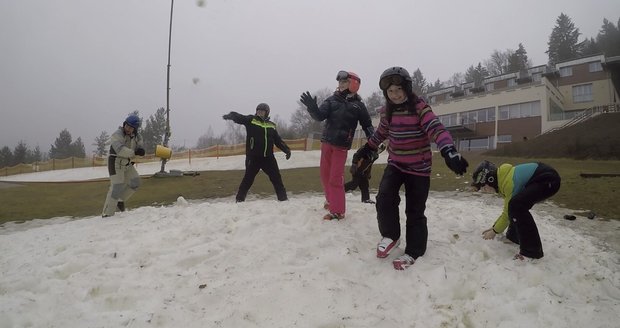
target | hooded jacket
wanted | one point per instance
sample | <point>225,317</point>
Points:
<point>123,147</point>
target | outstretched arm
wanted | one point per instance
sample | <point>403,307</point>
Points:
<point>316,112</point>
<point>238,118</point>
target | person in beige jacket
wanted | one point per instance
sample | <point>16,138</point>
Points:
<point>125,145</point>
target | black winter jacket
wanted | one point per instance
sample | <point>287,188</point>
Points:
<point>261,135</point>
<point>341,113</point>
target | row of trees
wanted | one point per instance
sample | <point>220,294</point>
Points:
<point>563,45</point>
<point>63,147</point>
<point>152,131</point>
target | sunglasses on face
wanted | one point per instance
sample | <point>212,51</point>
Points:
<point>385,82</point>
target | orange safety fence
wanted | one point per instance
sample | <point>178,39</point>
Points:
<point>213,151</point>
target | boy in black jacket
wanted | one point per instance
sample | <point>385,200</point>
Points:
<point>361,168</point>
<point>261,136</point>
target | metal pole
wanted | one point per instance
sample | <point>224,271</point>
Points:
<point>167,135</point>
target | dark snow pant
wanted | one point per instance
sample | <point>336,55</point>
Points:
<point>388,216</point>
<point>360,181</point>
<point>522,229</point>
<point>269,165</point>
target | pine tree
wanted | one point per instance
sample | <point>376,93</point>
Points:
<point>6,157</point>
<point>36,155</point>
<point>435,86</point>
<point>77,148</point>
<point>476,74</point>
<point>100,144</point>
<point>419,82</point>
<point>563,41</point>
<point>590,47</point>
<point>20,153</point>
<point>518,60</point>
<point>608,39</point>
<point>154,130</point>
<point>62,146</point>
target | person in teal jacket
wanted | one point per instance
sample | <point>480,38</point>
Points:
<point>522,186</point>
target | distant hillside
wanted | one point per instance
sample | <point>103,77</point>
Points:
<point>596,138</point>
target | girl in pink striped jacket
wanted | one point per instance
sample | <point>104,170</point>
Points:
<point>410,125</point>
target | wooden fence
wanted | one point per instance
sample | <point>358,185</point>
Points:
<point>213,151</point>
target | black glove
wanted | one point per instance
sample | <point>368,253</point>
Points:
<point>139,151</point>
<point>309,101</point>
<point>227,116</point>
<point>288,155</point>
<point>366,152</point>
<point>457,163</point>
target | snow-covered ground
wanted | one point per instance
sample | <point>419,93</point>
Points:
<point>263,263</point>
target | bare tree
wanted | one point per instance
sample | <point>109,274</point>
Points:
<point>499,62</point>
<point>301,122</point>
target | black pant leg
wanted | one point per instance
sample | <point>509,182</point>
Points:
<point>416,193</point>
<point>252,166</point>
<point>270,167</point>
<point>363,184</point>
<point>388,199</point>
<point>520,216</point>
<point>351,185</point>
<point>512,234</point>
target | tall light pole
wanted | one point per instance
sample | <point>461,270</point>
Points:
<point>167,135</point>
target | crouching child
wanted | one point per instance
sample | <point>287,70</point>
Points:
<point>521,186</point>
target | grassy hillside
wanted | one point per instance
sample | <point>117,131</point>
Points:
<point>590,147</point>
<point>596,138</point>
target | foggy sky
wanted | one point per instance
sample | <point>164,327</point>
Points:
<point>84,65</point>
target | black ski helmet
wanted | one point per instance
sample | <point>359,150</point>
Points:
<point>265,107</point>
<point>133,121</point>
<point>485,174</point>
<point>397,76</point>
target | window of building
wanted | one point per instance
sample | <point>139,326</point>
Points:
<point>504,139</point>
<point>512,82</point>
<point>449,120</point>
<point>482,143</point>
<point>474,144</point>
<point>486,114</point>
<point>566,71</point>
<point>515,111</point>
<point>504,113</point>
<point>489,87</point>
<point>535,108</point>
<point>433,99</point>
<point>582,93</point>
<point>536,76</point>
<point>595,67</point>
<point>528,109</point>
<point>469,117</point>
